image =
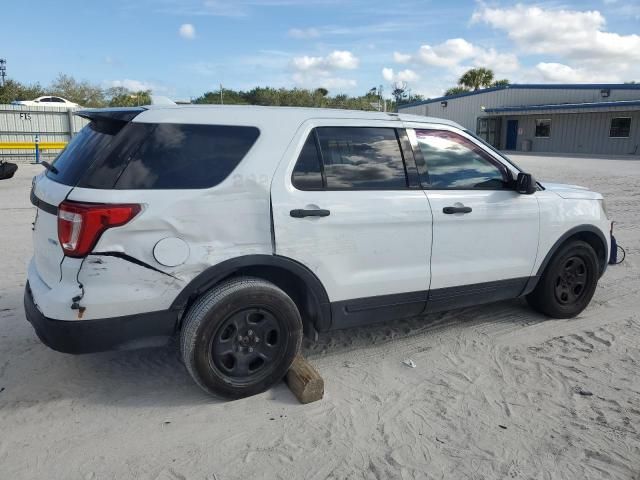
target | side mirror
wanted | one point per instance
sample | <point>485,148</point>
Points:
<point>525,184</point>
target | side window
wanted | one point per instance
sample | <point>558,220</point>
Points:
<point>455,162</point>
<point>56,99</point>
<point>543,127</point>
<point>45,99</point>
<point>175,156</point>
<point>307,174</point>
<point>365,158</point>
<point>620,127</point>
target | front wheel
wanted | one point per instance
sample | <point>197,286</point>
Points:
<point>241,337</point>
<point>568,283</point>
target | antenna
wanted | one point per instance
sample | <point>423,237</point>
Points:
<point>3,71</point>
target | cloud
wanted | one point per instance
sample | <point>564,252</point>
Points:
<point>457,54</point>
<point>401,57</point>
<point>134,85</point>
<point>402,76</point>
<point>187,31</point>
<point>304,33</point>
<point>336,60</point>
<point>576,35</point>
<point>320,71</point>
<point>560,73</point>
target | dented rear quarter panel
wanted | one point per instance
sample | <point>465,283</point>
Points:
<point>229,220</point>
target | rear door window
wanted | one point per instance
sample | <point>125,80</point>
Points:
<point>181,156</point>
<point>307,174</point>
<point>361,158</point>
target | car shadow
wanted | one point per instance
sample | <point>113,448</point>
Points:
<point>156,377</point>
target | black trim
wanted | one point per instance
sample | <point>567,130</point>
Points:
<point>319,312</point>
<point>475,294</point>
<point>87,336</point>
<point>411,170</point>
<point>42,205</point>
<point>570,233</point>
<point>604,260</point>
<point>369,310</point>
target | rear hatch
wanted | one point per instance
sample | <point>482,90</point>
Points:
<point>89,149</point>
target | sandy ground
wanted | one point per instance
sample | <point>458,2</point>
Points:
<point>495,393</point>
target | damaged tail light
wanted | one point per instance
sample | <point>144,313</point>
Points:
<point>81,224</point>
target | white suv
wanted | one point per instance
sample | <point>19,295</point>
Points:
<point>239,228</point>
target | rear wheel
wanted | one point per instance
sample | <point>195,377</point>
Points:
<point>568,283</point>
<point>241,337</point>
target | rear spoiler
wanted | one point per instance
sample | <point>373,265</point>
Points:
<point>123,114</point>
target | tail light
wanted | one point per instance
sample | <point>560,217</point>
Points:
<point>81,224</point>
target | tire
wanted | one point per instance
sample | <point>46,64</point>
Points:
<point>568,282</point>
<point>240,337</point>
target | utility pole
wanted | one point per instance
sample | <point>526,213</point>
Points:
<point>3,71</point>
<point>221,98</point>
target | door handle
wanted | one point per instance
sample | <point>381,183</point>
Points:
<point>450,210</point>
<point>315,212</point>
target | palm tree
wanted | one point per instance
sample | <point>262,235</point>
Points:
<point>476,78</point>
<point>455,91</point>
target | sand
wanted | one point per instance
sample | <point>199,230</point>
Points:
<point>498,391</point>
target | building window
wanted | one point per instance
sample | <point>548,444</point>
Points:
<point>543,127</point>
<point>620,127</point>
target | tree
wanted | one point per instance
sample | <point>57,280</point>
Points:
<point>294,97</point>
<point>80,92</point>
<point>400,92</point>
<point>127,98</point>
<point>456,91</point>
<point>12,90</point>
<point>476,78</point>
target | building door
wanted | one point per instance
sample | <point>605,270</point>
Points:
<point>512,134</point>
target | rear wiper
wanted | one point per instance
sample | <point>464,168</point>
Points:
<point>49,167</point>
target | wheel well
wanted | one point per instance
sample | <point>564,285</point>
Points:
<point>296,286</point>
<point>593,239</point>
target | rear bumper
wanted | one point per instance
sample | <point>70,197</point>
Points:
<point>87,336</point>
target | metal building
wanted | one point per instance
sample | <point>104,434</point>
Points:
<point>24,127</point>
<point>580,118</point>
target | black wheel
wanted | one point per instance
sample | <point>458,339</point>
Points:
<point>568,283</point>
<point>240,337</point>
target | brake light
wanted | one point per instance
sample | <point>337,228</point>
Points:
<point>81,224</point>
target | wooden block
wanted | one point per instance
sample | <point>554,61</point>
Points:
<point>304,381</point>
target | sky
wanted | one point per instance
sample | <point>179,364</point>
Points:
<point>183,48</point>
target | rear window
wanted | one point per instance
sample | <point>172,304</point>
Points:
<point>153,156</point>
<point>74,161</point>
<point>187,156</point>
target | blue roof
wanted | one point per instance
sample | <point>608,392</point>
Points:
<point>532,86</point>
<point>565,106</point>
